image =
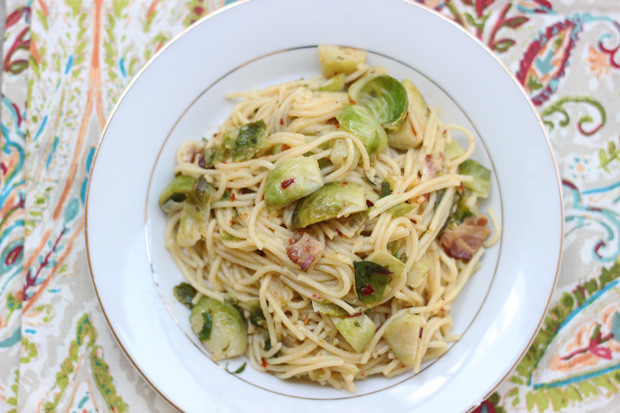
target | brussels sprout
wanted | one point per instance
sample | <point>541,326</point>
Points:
<point>177,189</point>
<point>464,207</point>
<point>387,260</point>
<point>249,140</point>
<point>403,336</point>
<point>195,213</point>
<point>386,189</point>
<point>184,293</point>
<point>220,328</point>
<point>384,97</point>
<point>335,84</point>
<point>213,154</point>
<point>370,281</point>
<point>291,180</point>
<point>358,331</point>
<point>340,151</point>
<point>333,200</point>
<point>337,59</point>
<point>481,185</point>
<point>358,121</point>
<point>328,309</point>
<point>406,136</point>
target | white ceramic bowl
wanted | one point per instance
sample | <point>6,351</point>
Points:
<point>179,95</point>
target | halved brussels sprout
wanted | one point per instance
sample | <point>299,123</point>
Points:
<point>335,84</point>
<point>220,326</point>
<point>403,336</point>
<point>358,121</point>
<point>249,140</point>
<point>338,59</point>
<point>358,330</point>
<point>333,200</point>
<point>292,179</point>
<point>481,185</point>
<point>384,97</point>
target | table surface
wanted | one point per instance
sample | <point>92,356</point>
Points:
<point>65,64</point>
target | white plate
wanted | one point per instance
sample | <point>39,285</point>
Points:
<point>180,95</point>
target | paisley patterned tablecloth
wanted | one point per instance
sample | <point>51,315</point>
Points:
<point>65,64</point>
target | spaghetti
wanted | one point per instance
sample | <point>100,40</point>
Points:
<point>301,285</point>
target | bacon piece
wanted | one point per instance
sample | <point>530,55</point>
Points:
<point>465,239</point>
<point>304,250</point>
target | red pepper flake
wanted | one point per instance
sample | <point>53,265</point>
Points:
<point>378,327</point>
<point>318,297</point>
<point>369,203</point>
<point>201,161</point>
<point>444,131</point>
<point>261,253</point>
<point>233,197</point>
<point>230,221</point>
<point>368,289</point>
<point>281,121</point>
<point>245,190</point>
<point>287,183</point>
<point>340,233</point>
<point>224,162</point>
<point>413,220</point>
<point>263,362</point>
<point>307,320</point>
<point>245,216</point>
<point>285,147</point>
<point>420,334</point>
<point>354,315</point>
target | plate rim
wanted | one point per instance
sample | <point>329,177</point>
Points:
<point>237,3</point>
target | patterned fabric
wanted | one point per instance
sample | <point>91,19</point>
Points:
<point>66,63</point>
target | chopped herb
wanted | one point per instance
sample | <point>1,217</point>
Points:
<point>268,344</point>
<point>225,236</point>
<point>240,369</point>
<point>205,333</point>
<point>184,293</point>
<point>385,189</point>
<point>256,315</point>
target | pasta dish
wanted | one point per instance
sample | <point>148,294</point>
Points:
<point>327,227</point>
